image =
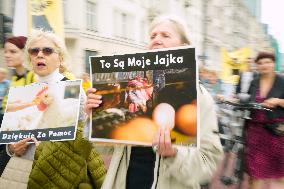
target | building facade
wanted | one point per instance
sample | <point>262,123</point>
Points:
<point>107,27</point>
<point>254,6</point>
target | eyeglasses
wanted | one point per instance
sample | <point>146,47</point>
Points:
<point>45,50</point>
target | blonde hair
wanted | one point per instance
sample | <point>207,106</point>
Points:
<point>58,42</point>
<point>178,23</point>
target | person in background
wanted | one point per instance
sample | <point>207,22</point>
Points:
<point>264,149</point>
<point>246,77</point>
<point>14,59</point>
<point>169,167</point>
<point>64,164</point>
<point>64,71</point>
<point>202,74</point>
<point>213,84</point>
<point>86,81</point>
<point>4,88</point>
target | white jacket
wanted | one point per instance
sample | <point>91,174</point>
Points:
<point>188,169</point>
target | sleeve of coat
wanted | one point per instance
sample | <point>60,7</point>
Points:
<point>191,165</point>
<point>96,168</point>
<point>38,152</point>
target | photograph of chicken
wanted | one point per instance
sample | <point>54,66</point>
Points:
<point>52,110</point>
<point>138,93</point>
<point>135,104</point>
<point>121,102</point>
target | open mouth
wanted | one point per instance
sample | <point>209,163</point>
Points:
<point>41,64</point>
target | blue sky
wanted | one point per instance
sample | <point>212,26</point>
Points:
<point>272,14</point>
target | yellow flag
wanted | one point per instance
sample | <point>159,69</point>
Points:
<point>233,63</point>
<point>46,14</point>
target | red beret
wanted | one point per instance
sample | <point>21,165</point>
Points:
<point>19,41</point>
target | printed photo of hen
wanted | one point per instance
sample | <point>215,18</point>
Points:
<point>145,92</point>
<point>47,112</point>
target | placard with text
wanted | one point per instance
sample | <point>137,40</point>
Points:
<point>47,112</point>
<point>144,93</point>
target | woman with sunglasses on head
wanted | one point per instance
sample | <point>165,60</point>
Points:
<point>68,164</point>
<point>169,167</point>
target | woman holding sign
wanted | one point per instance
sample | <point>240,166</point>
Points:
<point>68,164</point>
<point>166,167</point>
<point>14,59</point>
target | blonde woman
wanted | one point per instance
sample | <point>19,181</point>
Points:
<point>168,167</point>
<point>68,164</point>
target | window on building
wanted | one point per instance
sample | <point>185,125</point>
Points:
<point>91,16</point>
<point>88,53</point>
<point>122,25</point>
<point>7,7</point>
<point>143,32</point>
<point>12,6</point>
<point>65,12</point>
<point>1,6</point>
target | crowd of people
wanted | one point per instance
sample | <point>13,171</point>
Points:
<point>79,164</point>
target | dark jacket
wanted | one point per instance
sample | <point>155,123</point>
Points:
<point>276,91</point>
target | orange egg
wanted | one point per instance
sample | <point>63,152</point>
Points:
<point>138,129</point>
<point>186,119</point>
<point>164,115</point>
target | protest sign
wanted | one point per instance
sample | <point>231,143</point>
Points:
<point>47,112</point>
<point>143,93</point>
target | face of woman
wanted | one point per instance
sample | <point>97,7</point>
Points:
<point>14,57</point>
<point>164,35</point>
<point>44,57</point>
<point>265,66</point>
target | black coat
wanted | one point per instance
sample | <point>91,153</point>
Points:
<point>276,91</point>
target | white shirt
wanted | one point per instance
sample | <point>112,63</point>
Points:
<point>51,78</point>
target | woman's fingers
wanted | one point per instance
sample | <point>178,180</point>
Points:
<point>91,90</point>
<point>271,103</point>
<point>165,147</point>
<point>156,138</point>
<point>21,151</point>
<point>155,142</point>
<point>36,142</point>
<point>161,144</point>
<point>19,148</point>
<point>168,143</point>
<point>93,100</point>
<point>94,96</point>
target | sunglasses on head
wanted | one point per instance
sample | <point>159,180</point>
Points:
<point>45,50</point>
